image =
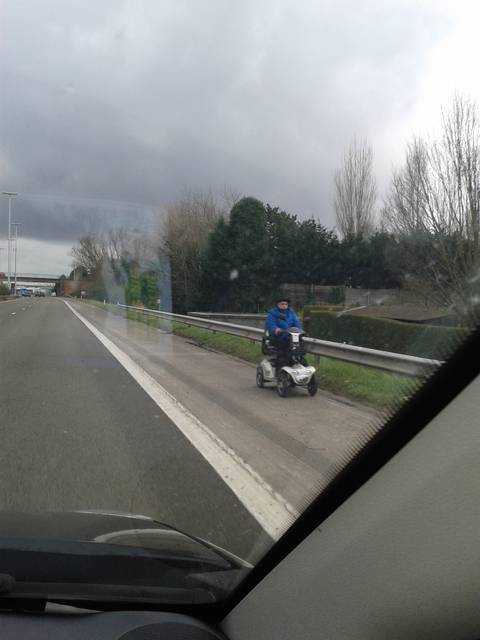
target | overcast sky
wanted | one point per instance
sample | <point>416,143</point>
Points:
<point>110,110</point>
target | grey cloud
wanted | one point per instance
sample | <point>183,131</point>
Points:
<point>120,103</point>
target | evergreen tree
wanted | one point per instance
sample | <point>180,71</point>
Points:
<point>250,277</point>
<point>365,263</point>
<point>214,290</point>
<point>282,232</point>
<point>134,293</point>
<point>150,295</point>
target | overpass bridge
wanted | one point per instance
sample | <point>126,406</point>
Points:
<point>46,281</point>
<point>61,285</point>
<point>30,278</point>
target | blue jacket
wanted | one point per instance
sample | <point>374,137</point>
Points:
<point>281,319</point>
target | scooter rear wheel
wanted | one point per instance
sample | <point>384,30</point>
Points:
<point>312,386</point>
<point>283,384</point>
<point>260,379</point>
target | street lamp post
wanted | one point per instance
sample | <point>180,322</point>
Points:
<point>10,195</point>
<point>1,249</point>
<point>15,238</point>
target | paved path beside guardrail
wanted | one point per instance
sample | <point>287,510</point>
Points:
<point>385,360</point>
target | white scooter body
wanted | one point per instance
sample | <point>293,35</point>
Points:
<point>300,374</point>
<point>295,375</point>
<point>268,370</point>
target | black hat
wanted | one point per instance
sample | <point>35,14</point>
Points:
<point>282,299</point>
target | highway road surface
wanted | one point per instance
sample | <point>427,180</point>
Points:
<point>99,412</point>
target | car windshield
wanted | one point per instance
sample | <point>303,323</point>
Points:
<point>235,238</point>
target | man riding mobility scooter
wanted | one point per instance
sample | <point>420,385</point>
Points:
<point>285,362</point>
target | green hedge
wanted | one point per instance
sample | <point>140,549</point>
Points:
<point>425,341</point>
<point>309,308</point>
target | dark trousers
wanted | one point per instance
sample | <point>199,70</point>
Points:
<point>281,357</point>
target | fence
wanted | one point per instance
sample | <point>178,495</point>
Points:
<point>385,360</point>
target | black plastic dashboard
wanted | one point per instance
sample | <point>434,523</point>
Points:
<point>60,624</point>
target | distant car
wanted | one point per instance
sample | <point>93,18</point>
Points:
<point>40,293</point>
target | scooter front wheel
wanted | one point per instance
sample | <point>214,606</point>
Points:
<point>283,384</point>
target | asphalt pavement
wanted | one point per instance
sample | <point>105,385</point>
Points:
<point>79,433</point>
<point>294,444</point>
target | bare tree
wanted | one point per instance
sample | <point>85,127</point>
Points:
<point>456,166</point>
<point>184,232</point>
<point>435,197</point>
<point>355,191</point>
<point>89,254</point>
<point>117,243</point>
<point>409,197</point>
<point>230,197</point>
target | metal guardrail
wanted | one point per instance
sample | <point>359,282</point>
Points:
<point>249,319</point>
<point>243,316</point>
<point>252,333</point>
<point>385,360</point>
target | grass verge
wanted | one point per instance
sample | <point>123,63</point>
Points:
<point>376,388</point>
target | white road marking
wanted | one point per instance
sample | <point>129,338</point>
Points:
<point>267,506</point>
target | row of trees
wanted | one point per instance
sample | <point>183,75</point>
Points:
<point>233,253</point>
<point>207,258</point>
<point>118,266</point>
<point>432,207</point>
<point>249,256</point>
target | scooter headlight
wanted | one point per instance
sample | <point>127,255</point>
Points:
<point>302,377</point>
